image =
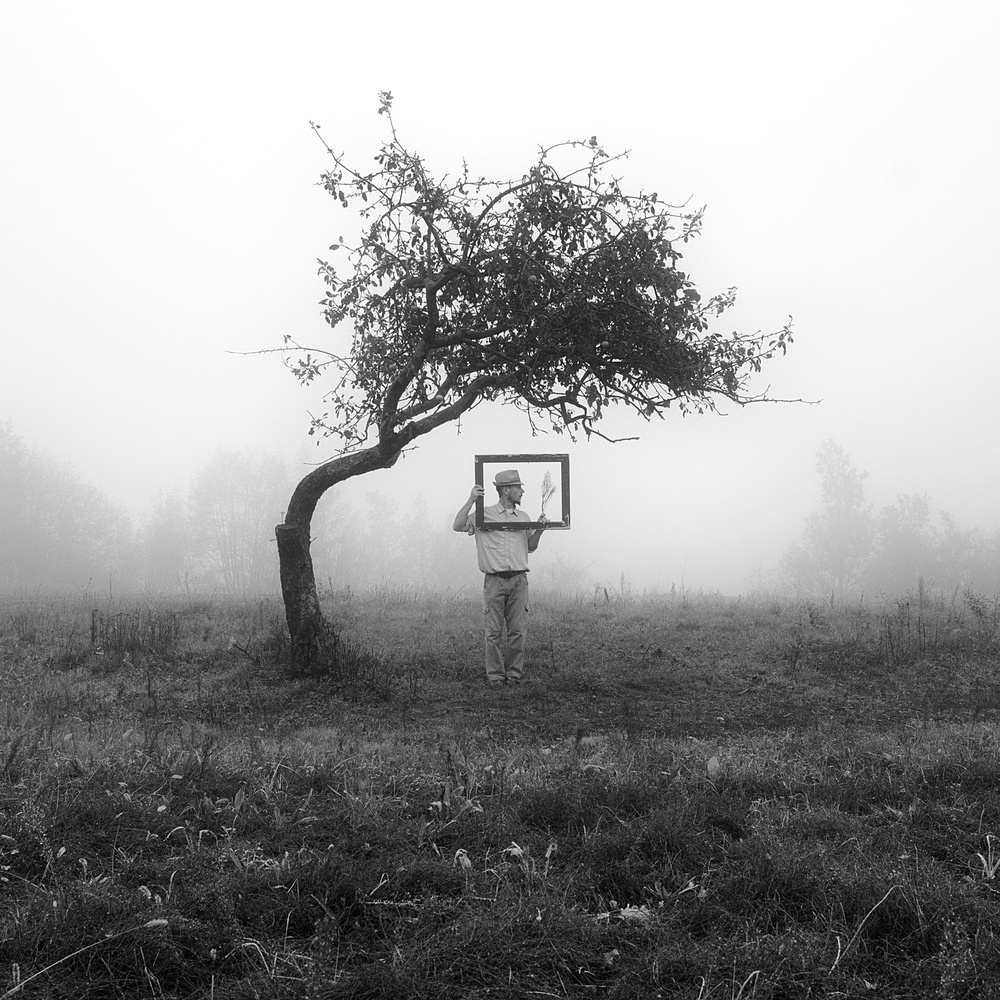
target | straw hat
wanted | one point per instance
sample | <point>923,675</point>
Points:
<point>508,477</point>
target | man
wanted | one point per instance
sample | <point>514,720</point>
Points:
<point>503,558</point>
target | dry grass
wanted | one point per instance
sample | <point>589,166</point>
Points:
<point>688,797</point>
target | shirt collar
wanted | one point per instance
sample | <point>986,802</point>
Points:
<point>498,508</point>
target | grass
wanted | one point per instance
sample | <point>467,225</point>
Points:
<point>689,796</point>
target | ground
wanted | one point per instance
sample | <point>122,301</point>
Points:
<point>688,796</point>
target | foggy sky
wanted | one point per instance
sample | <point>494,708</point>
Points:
<point>160,215</point>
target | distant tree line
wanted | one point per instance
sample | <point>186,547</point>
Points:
<point>59,533</point>
<point>848,547</point>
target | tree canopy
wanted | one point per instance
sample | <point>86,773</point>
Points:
<point>557,292</point>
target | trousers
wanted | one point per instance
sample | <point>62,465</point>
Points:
<point>505,604</point>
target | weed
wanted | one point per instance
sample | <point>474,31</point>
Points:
<point>25,621</point>
<point>138,630</point>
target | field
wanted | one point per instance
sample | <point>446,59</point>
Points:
<point>690,796</point>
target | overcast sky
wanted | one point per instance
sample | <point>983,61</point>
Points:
<point>159,214</point>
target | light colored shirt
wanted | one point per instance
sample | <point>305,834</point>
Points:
<point>500,551</point>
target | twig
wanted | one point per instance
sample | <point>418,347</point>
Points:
<point>854,937</point>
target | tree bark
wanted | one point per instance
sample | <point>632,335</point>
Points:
<point>313,642</point>
<point>307,629</point>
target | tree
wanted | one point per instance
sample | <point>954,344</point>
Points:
<point>57,531</point>
<point>906,544</point>
<point>836,544</point>
<point>967,557</point>
<point>165,540</point>
<point>233,503</point>
<point>558,293</point>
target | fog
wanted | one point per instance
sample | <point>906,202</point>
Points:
<point>161,222</point>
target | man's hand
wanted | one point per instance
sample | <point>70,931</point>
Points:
<point>462,517</point>
<point>535,536</point>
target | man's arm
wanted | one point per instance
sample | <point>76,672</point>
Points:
<point>462,517</point>
<point>534,537</point>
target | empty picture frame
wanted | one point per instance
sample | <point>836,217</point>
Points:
<point>545,479</point>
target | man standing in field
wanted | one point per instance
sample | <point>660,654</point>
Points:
<point>503,558</point>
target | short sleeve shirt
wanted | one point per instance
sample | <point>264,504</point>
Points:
<point>500,551</point>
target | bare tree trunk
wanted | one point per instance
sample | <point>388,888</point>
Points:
<point>313,643</point>
<point>310,637</point>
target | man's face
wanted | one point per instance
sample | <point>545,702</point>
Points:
<point>514,493</point>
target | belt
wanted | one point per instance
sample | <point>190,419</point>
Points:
<point>508,573</point>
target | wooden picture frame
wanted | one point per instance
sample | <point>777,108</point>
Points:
<point>527,466</point>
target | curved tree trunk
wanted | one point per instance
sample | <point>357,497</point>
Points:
<point>306,625</point>
<point>313,644</point>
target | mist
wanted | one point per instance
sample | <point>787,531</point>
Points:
<point>162,224</point>
<point>214,536</point>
